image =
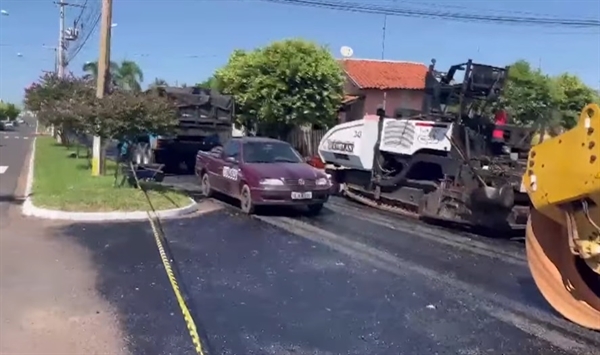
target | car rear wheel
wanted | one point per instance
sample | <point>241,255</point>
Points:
<point>207,190</point>
<point>315,209</point>
<point>246,200</point>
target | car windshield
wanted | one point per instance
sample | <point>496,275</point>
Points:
<point>270,152</point>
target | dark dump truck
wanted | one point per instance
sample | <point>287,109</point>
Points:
<point>205,120</point>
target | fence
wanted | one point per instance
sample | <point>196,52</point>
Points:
<point>306,142</point>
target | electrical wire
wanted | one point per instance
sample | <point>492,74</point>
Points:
<point>86,23</point>
<point>463,7</point>
<point>404,11</point>
<point>84,26</point>
<point>78,19</point>
<point>86,38</point>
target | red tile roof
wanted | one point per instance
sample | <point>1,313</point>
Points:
<point>385,74</point>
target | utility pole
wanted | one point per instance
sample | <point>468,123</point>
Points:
<point>383,32</point>
<point>61,63</point>
<point>65,35</point>
<point>103,80</point>
<point>61,41</point>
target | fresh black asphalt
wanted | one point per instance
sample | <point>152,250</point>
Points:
<point>258,288</point>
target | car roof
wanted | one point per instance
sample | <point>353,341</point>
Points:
<point>258,140</point>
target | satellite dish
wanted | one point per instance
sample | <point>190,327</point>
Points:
<point>346,52</point>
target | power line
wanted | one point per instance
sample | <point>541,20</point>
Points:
<point>404,11</point>
<point>463,7</point>
<point>85,23</point>
<point>83,7</point>
<point>85,39</point>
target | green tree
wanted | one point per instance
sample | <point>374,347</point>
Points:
<point>127,75</point>
<point>573,96</point>
<point>54,99</point>
<point>209,83</point>
<point>9,111</point>
<point>124,114</point>
<point>286,84</point>
<point>530,96</point>
<point>71,105</point>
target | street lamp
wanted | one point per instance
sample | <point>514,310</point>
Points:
<point>55,49</point>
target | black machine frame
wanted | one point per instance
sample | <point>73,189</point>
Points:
<point>480,178</point>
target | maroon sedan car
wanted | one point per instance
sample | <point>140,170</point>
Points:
<point>262,171</point>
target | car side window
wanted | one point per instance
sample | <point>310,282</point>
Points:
<point>232,150</point>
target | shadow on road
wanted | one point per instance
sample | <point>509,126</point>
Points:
<point>12,199</point>
<point>132,279</point>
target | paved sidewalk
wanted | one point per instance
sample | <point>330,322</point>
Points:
<point>49,302</point>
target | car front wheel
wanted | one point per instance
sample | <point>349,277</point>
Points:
<point>315,209</point>
<point>207,190</point>
<point>246,203</point>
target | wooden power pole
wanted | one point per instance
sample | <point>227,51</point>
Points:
<point>103,80</point>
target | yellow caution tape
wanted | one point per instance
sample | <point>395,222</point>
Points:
<point>187,316</point>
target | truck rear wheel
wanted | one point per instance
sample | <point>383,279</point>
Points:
<point>142,155</point>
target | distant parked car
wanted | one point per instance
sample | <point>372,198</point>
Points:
<point>262,171</point>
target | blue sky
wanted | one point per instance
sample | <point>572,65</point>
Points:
<point>186,40</point>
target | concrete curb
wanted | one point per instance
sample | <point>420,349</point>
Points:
<point>30,210</point>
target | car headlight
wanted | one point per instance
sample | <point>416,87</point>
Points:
<point>271,182</point>
<point>322,182</point>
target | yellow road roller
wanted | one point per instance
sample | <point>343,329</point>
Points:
<point>563,231</point>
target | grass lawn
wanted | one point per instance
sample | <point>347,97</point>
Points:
<point>65,183</point>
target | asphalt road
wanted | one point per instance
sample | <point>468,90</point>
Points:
<point>14,146</point>
<point>351,281</point>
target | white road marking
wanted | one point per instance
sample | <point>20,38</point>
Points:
<point>3,169</point>
<point>16,137</point>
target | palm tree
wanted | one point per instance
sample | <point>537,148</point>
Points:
<point>129,76</point>
<point>126,75</point>
<point>91,68</point>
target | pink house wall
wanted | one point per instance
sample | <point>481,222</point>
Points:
<point>407,99</point>
<point>399,98</point>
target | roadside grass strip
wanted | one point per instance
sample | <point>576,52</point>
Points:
<point>63,182</point>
